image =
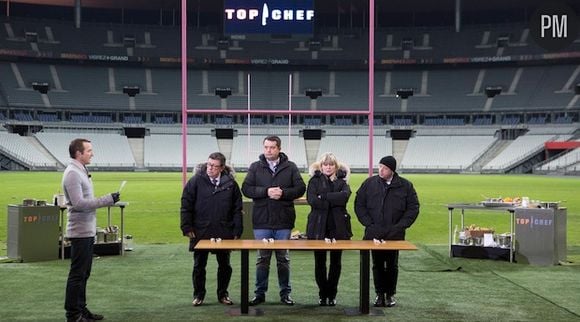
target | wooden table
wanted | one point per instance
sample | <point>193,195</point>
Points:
<point>364,246</point>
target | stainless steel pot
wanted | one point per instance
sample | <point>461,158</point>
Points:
<point>504,240</point>
<point>477,241</point>
<point>550,204</point>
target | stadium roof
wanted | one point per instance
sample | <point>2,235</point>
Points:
<point>393,5</point>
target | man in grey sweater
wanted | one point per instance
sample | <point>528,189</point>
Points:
<point>81,227</point>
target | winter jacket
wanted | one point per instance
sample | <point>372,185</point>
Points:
<point>270,213</point>
<point>210,211</point>
<point>375,203</point>
<point>327,200</point>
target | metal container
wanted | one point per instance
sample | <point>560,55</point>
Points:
<point>549,204</point>
<point>59,200</point>
<point>477,240</point>
<point>504,240</point>
<point>111,237</point>
<point>100,236</point>
<point>28,202</point>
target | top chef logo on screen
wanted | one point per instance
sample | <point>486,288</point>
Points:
<point>268,16</point>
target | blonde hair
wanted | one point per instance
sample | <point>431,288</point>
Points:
<point>329,158</point>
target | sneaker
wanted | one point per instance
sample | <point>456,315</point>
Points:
<point>380,301</point>
<point>390,302</point>
<point>256,300</point>
<point>322,301</point>
<point>331,302</point>
<point>197,301</point>
<point>286,299</point>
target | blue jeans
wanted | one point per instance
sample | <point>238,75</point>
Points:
<point>263,263</point>
<point>81,261</point>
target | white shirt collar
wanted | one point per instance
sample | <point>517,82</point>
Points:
<point>273,164</point>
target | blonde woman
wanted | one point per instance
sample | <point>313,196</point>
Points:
<point>328,194</point>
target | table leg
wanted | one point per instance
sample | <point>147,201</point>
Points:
<point>364,282</point>
<point>363,306</point>
<point>245,289</point>
<point>244,281</point>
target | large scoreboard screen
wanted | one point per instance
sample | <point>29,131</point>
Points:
<point>268,16</point>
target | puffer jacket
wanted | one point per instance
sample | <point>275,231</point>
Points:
<point>270,213</point>
<point>374,203</point>
<point>327,200</point>
<point>209,211</point>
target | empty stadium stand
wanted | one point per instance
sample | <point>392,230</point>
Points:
<point>104,77</point>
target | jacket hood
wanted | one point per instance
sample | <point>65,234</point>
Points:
<point>343,171</point>
<point>200,169</point>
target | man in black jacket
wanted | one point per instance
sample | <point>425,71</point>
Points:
<point>273,183</point>
<point>211,207</point>
<point>386,205</point>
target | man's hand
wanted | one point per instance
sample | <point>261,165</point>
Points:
<point>116,197</point>
<point>275,193</point>
<point>191,234</point>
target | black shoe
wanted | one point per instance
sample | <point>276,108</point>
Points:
<point>197,301</point>
<point>225,300</point>
<point>332,302</point>
<point>256,300</point>
<point>92,316</point>
<point>322,301</point>
<point>79,318</point>
<point>390,301</point>
<point>380,301</point>
<point>286,299</point>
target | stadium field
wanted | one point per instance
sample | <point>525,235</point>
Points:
<point>153,282</point>
<point>152,216</point>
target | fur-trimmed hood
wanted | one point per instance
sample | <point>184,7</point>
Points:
<point>201,168</point>
<point>343,171</point>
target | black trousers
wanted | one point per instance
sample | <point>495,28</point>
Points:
<point>385,271</point>
<point>224,273</point>
<point>81,262</point>
<point>327,284</point>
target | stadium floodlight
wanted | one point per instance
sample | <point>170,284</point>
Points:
<point>223,92</point>
<point>492,91</point>
<point>503,41</point>
<point>40,87</point>
<point>223,43</point>
<point>314,44</point>
<point>313,93</point>
<point>31,36</point>
<point>577,89</point>
<point>407,43</point>
<point>404,93</point>
<point>129,41</point>
<point>131,90</point>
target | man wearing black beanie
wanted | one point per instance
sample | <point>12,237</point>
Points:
<point>386,204</point>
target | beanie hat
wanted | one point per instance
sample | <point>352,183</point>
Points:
<point>389,162</point>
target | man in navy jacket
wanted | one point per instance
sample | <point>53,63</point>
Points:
<point>211,207</point>
<point>386,204</point>
<point>273,183</point>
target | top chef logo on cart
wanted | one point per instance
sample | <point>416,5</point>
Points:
<point>532,222</point>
